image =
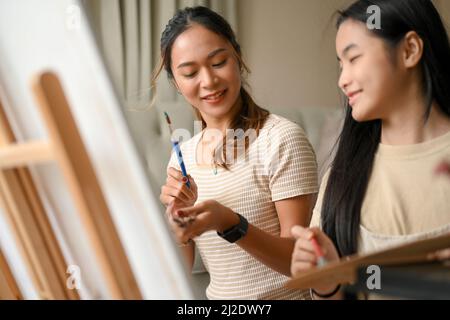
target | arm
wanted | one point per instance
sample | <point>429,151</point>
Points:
<point>273,251</point>
<point>291,156</point>
<point>189,254</point>
<point>293,170</point>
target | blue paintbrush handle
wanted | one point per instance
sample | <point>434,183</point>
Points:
<point>176,148</point>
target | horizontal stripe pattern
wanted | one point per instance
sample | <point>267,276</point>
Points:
<point>280,164</point>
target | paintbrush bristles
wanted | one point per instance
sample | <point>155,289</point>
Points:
<point>169,123</point>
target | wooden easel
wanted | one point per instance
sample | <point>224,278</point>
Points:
<point>8,286</point>
<point>25,211</point>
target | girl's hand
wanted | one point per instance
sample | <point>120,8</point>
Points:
<point>176,191</point>
<point>205,216</point>
<point>304,257</point>
<point>440,255</point>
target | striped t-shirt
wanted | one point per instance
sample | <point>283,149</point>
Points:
<point>280,164</point>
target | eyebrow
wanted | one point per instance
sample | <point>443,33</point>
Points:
<point>347,49</point>
<point>211,55</point>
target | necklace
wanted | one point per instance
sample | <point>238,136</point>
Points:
<point>214,165</point>
<point>215,170</point>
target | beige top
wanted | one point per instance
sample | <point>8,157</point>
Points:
<point>405,200</point>
<point>281,165</point>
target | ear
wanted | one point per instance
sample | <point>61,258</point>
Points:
<point>412,49</point>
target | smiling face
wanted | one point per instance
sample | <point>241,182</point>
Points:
<point>370,77</point>
<point>206,72</point>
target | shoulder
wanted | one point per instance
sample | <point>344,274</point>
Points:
<point>190,143</point>
<point>317,212</point>
<point>187,147</point>
<point>324,182</point>
<point>275,123</point>
<point>279,127</point>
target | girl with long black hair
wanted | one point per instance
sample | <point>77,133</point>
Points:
<point>381,189</point>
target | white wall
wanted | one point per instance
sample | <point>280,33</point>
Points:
<point>289,45</point>
<point>444,8</point>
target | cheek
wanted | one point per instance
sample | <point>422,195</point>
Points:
<point>379,79</point>
<point>232,73</point>
<point>188,88</point>
<point>234,80</point>
<point>385,84</point>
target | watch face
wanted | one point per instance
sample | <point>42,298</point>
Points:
<point>237,232</point>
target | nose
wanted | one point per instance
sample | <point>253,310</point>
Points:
<point>209,79</point>
<point>344,80</point>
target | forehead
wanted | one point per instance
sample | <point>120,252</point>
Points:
<point>196,43</point>
<point>352,32</point>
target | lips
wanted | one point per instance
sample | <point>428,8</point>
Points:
<point>214,96</point>
<point>353,96</point>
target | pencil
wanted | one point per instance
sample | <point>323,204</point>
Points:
<point>176,148</point>
<point>321,261</point>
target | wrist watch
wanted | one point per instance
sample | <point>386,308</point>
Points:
<point>237,232</point>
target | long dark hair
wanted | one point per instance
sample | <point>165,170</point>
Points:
<point>251,116</point>
<point>358,142</point>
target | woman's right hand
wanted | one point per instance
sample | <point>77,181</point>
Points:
<point>304,257</point>
<point>176,190</point>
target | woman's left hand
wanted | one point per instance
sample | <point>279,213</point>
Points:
<point>209,215</point>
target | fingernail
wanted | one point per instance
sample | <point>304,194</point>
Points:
<point>443,168</point>
<point>185,179</point>
<point>180,213</point>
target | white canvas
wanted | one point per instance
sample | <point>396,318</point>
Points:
<point>54,35</point>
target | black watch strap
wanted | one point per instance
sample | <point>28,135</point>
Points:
<point>237,232</point>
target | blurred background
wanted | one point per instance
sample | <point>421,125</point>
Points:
<point>289,46</point>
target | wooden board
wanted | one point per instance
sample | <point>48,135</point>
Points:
<point>345,271</point>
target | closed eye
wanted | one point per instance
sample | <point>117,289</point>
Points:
<point>191,75</point>
<point>354,59</point>
<point>220,64</point>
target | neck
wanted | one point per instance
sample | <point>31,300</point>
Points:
<point>218,124</point>
<point>407,125</point>
<point>414,129</point>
